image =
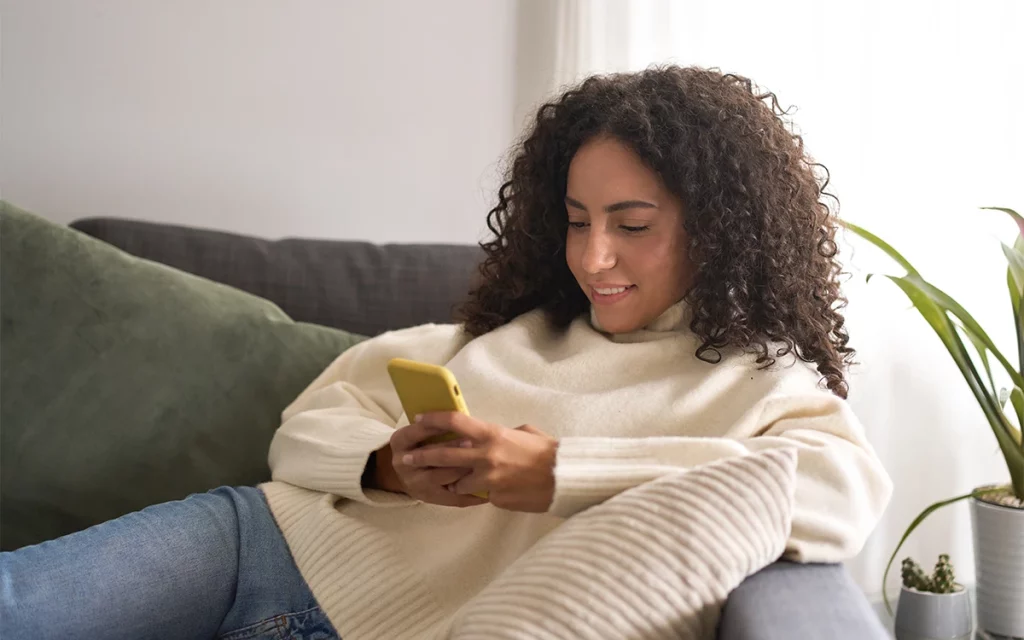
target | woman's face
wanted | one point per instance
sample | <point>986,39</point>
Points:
<point>626,244</point>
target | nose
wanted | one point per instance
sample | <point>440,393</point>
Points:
<point>599,254</point>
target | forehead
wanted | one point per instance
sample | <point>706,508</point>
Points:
<point>607,166</point>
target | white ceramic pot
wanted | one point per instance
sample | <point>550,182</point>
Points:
<point>933,616</point>
<point>999,567</point>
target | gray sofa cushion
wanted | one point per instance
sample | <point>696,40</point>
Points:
<point>356,286</point>
<point>787,601</point>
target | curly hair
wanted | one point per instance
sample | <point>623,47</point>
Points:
<point>761,228</point>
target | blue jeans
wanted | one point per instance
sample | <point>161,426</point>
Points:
<point>213,565</point>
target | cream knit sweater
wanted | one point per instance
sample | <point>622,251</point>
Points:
<point>626,408</point>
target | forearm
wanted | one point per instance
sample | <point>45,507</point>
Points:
<point>326,451</point>
<point>841,487</point>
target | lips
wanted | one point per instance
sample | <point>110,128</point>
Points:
<point>604,298</point>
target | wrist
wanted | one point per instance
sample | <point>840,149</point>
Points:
<point>383,474</point>
<point>553,462</point>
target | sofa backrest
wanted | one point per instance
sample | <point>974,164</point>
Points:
<point>357,286</point>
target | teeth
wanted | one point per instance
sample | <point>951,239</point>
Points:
<point>610,292</point>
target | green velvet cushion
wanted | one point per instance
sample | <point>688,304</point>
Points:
<point>125,383</point>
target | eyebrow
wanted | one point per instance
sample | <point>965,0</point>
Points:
<point>612,208</point>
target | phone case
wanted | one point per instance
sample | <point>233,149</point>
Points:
<point>423,388</point>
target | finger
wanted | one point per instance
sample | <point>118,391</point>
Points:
<point>529,428</point>
<point>469,484</point>
<point>445,498</point>
<point>466,457</point>
<point>469,501</point>
<point>441,477</point>
<point>454,442</point>
<point>460,423</point>
<point>464,501</point>
<point>410,436</point>
<point>441,496</point>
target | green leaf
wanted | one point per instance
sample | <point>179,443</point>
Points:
<point>881,244</point>
<point>979,346</point>
<point>971,327</point>
<point>1015,280</point>
<point>947,303</point>
<point>933,304</point>
<point>1016,260</point>
<point>1019,219</point>
<point>1016,294</point>
<point>1015,291</point>
<point>906,534</point>
<point>947,333</point>
<point>1017,400</point>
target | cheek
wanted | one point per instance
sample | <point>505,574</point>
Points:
<point>663,263</point>
<point>573,252</point>
<point>650,258</point>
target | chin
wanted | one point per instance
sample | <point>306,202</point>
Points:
<point>617,324</point>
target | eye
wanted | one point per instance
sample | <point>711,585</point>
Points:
<point>634,229</point>
<point>577,225</point>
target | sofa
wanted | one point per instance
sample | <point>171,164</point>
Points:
<point>369,289</point>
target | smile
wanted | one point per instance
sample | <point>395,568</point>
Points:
<point>610,295</point>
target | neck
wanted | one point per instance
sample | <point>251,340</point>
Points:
<point>671,322</point>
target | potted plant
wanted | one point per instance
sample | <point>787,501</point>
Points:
<point>997,512</point>
<point>932,607</point>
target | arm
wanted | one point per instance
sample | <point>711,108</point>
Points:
<point>345,416</point>
<point>841,488</point>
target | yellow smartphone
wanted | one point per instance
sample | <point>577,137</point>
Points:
<point>424,388</point>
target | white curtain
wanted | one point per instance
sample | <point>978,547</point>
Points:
<point>917,109</point>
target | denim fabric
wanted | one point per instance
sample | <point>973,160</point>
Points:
<point>213,565</point>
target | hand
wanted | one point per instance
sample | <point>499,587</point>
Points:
<point>424,483</point>
<point>515,466</point>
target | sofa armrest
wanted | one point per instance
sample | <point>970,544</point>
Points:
<point>789,601</point>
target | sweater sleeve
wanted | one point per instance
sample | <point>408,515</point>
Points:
<point>329,432</point>
<point>841,487</point>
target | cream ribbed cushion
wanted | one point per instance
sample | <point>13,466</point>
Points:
<point>656,561</point>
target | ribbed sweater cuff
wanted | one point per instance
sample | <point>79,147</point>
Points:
<point>339,469</point>
<point>588,471</point>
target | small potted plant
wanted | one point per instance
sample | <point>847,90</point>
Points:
<point>997,512</point>
<point>932,607</point>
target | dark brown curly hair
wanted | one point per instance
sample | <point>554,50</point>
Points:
<point>762,231</point>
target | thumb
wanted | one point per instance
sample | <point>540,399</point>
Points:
<point>531,430</point>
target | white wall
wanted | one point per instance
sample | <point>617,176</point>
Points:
<point>382,120</point>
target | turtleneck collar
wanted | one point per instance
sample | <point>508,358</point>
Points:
<point>671,321</point>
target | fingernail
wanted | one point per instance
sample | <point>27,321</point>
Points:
<point>407,459</point>
<point>417,417</point>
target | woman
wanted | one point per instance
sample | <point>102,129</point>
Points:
<point>661,293</point>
